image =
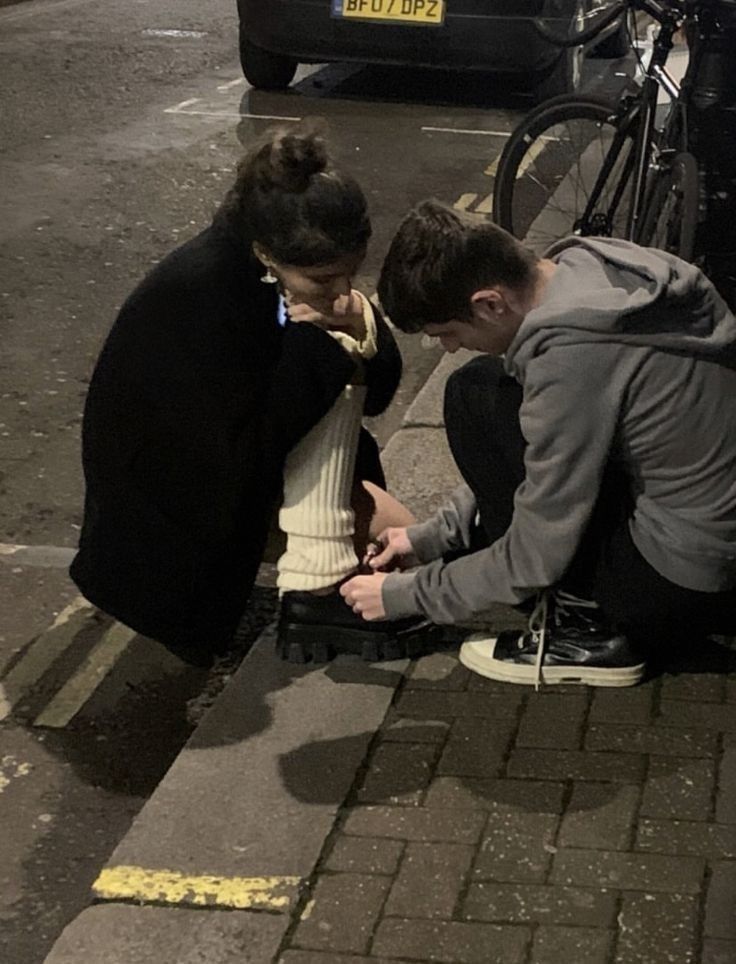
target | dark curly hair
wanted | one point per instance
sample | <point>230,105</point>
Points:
<point>292,199</point>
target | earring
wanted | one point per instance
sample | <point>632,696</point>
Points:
<point>269,278</point>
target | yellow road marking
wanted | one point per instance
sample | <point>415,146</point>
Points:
<point>78,688</point>
<point>464,202</point>
<point>485,206</point>
<point>531,155</point>
<point>171,887</point>
<point>42,654</point>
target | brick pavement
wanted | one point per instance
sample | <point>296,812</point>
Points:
<point>496,825</point>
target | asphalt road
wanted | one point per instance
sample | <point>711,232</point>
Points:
<point>121,126</point>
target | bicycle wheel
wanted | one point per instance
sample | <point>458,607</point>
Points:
<point>566,170</point>
<point>672,208</point>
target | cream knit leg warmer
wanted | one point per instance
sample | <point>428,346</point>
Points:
<point>316,515</point>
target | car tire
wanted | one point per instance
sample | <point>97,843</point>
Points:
<point>618,43</point>
<point>564,78</point>
<point>567,74</point>
<point>263,69</point>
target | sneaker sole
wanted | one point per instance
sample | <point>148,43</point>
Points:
<point>525,674</point>
<point>301,643</point>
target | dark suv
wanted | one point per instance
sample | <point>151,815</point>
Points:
<point>489,35</point>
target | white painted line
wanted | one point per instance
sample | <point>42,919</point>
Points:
<point>153,32</point>
<point>184,103</point>
<point>460,130</point>
<point>42,557</point>
<point>227,113</point>
<point>38,8</point>
<point>233,83</point>
<point>79,688</point>
<point>464,202</point>
<point>42,654</point>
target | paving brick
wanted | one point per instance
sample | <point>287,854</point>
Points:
<point>720,905</point>
<point>365,855</point>
<point>447,705</point>
<point>726,793</point>
<point>657,929</point>
<point>453,942</point>
<point>536,796</point>
<point>552,945</point>
<point>576,765</point>
<point>714,840</point>
<point>477,751</point>
<point>655,872</point>
<point>342,913</point>
<point>319,957</point>
<point>552,720</point>
<point>701,687</point>
<point>516,846</point>
<point>481,684</point>
<point>398,773</point>
<point>677,789</point>
<point>622,706</point>
<point>599,816</point>
<point>542,903</point>
<point>709,716</point>
<point>657,740</point>
<point>406,730</point>
<point>438,671</point>
<point>430,880</point>
<point>405,823</point>
<point>718,952</point>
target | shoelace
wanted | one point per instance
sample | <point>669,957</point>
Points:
<point>538,629</point>
<point>564,605</point>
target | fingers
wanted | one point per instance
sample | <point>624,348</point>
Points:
<point>300,313</point>
<point>363,595</point>
<point>381,558</point>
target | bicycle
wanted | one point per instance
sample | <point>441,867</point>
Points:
<point>581,165</point>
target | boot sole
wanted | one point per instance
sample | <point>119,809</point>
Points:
<point>302,643</point>
<point>525,674</point>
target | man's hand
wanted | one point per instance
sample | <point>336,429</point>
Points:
<point>363,595</point>
<point>346,314</point>
<point>394,552</point>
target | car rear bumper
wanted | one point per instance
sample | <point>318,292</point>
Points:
<point>468,39</point>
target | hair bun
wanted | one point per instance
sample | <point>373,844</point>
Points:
<point>294,158</point>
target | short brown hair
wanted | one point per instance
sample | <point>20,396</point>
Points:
<point>439,257</point>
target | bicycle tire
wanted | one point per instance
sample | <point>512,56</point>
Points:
<point>671,210</point>
<point>550,167</point>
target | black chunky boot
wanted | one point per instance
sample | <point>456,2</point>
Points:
<point>317,627</point>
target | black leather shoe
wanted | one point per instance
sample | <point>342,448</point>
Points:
<point>319,626</point>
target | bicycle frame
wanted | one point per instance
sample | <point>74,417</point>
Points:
<point>638,114</point>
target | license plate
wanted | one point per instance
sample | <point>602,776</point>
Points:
<point>427,13</point>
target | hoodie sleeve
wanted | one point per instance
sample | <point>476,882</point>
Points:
<point>568,418</point>
<point>449,528</point>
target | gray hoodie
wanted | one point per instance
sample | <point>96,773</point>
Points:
<point>630,357</point>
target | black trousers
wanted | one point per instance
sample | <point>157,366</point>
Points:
<point>482,421</point>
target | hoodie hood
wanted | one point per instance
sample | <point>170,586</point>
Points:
<point>615,291</point>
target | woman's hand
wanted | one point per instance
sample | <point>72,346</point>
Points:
<point>345,314</point>
<point>393,551</point>
<point>363,595</point>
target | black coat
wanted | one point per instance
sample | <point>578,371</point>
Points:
<point>196,399</point>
